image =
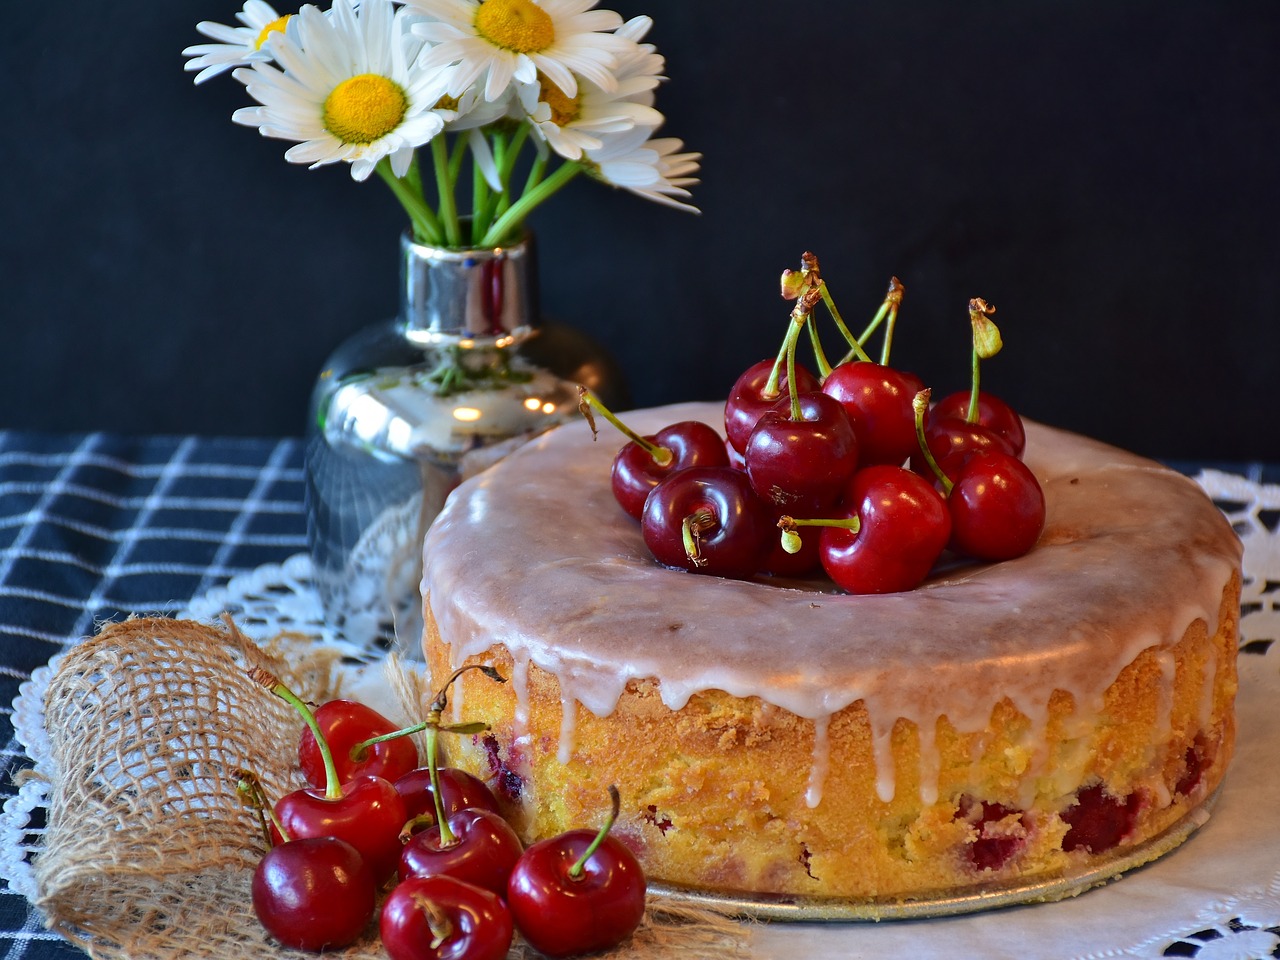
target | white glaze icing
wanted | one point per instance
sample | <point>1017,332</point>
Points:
<point>535,555</point>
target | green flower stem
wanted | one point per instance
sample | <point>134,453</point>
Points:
<point>445,185</point>
<point>481,201</point>
<point>426,227</point>
<point>528,202</point>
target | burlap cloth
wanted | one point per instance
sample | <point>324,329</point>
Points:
<point>149,850</point>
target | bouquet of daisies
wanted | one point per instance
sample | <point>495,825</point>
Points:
<point>511,99</point>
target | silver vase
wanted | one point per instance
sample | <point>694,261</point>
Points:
<point>406,409</point>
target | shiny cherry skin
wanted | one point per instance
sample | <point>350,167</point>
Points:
<point>346,724</point>
<point>734,525</point>
<point>635,472</point>
<point>440,918</point>
<point>878,400</point>
<point>997,507</point>
<point>484,850</point>
<point>952,441</point>
<point>560,914</point>
<point>747,402</point>
<point>993,413</point>
<point>458,791</point>
<point>802,465</point>
<point>369,815</point>
<point>904,527</point>
<point>314,893</point>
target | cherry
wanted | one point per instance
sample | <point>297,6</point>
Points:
<point>804,562</point>
<point>314,893</point>
<point>578,892</point>
<point>887,532</point>
<point>952,441</point>
<point>751,395</point>
<point>346,725</point>
<point>459,789</point>
<point>993,847</point>
<point>707,520</point>
<point>802,453</point>
<point>481,850</point>
<point>644,461</point>
<point>440,918</point>
<point>877,399</point>
<point>992,413</point>
<point>997,507</point>
<point>365,811</point>
<point>1098,821</point>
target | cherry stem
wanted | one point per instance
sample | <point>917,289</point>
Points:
<point>433,717</point>
<point>586,400</point>
<point>332,785</point>
<point>250,787</point>
<point>972,414</point>
<point>855,343</point>
<point>919,404</point>
<point>691,530</point>
<point>447,837</point>
<point>771,391</point>
<point>888,309</point>
<point>986,344</point>
<point>438,921</point>
<point>615,805</point>
<point>819,355</point>
<point>788,524</point>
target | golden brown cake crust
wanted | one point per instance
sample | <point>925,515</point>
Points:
<point>913,743</point>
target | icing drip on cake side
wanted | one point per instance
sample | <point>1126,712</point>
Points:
<point>1132,554</point>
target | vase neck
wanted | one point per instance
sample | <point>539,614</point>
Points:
<point>452,296</point>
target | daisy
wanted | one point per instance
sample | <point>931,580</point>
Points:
<point>505,40</point>
<point>570,125</point>
<point>656,169</point>
<point>236,46</point>
<point>348,87</point>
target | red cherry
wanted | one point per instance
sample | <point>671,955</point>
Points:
<point>747,402</point>
<point>992,848</point>
<point>560,913</point>
<point>903,526</point>
<point>802,465</point>
<point>440,918</point>
<point>459,790</point>
<point>316,893</point>
<point>993,413</point>
<point>877,399</point>
<point>484,850</point>
<point>1098,821</point>
<point>952,442</point>
<point>368,815</point>
<point>707,520</point>
<point>997,507</point>
<point>346,724</point>
<point>690,443</point>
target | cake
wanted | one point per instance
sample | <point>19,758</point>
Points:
<point>1000,725</point>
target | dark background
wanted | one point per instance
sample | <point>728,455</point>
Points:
<point>1103,172</point>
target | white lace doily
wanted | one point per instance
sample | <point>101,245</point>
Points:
<point>1217,898</point>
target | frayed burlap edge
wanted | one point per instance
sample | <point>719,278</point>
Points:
<point>149,851</point>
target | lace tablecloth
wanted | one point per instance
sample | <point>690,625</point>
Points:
<point>1216,898</point>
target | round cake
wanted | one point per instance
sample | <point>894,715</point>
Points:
<point>1000,724</point>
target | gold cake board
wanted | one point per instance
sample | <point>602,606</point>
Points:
<point>780,907</point>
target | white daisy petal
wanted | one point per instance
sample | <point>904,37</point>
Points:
<point>235,46</point>
<point>349,88</point>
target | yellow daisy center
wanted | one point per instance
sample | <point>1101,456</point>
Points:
<point>275,26</point>
<point>520,26</point>
<point>447,103</point>
<point>564,110</point>
<point>364,108</point>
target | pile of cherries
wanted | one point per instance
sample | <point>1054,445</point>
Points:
<point>460,882</point>
<point>887,481</point>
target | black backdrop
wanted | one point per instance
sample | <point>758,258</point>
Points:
<point>1103,172</point>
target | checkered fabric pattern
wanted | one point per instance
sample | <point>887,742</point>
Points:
<point>96,527</point>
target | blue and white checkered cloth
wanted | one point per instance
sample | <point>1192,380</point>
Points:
<point>96,527</point>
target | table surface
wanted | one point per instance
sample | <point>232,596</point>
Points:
<point>97,527</point>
